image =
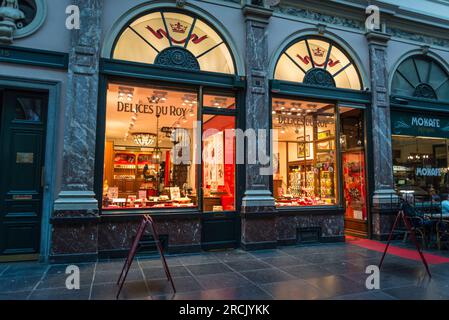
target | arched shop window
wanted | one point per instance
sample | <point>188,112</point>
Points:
<point>320,62</point>
<point>173,39</point>
<point>420,137</point>
<point>158,134</point>
<point>319,154</point>
<point>421,77</point>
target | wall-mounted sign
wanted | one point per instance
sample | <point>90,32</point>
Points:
<point>419,124</point>
<point>25,157</point>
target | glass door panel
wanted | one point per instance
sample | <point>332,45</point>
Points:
<point>218,163</point>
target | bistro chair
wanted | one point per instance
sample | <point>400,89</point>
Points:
<point>417,222</point>
<point>442,234</point>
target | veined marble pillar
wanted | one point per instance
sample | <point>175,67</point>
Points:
<point>75,215</point>
<point>258,219</point>
<point>384,199</point>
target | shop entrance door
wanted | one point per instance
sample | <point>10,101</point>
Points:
<point>22,133</point>
<point>352,146</point>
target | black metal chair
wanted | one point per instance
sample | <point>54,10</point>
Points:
<point>417,221</point>
<point>443,234</point>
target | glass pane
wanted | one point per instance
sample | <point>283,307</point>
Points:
<point>219,101</point>
<point>286,70</point>
<point>147,36</point>
<point>150,148</point>
<point>218,163</point>
<point>142,40</point>
<point>421,168</point>
<point>296,60</point>
<point>29,109</point>
<point>210,49</point>
<point>353,158</point>
<point>304,154</point>
<point>178,26</point>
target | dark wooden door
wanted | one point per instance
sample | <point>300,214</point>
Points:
<point>22,133</point>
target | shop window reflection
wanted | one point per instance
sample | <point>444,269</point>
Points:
<point>305,153</point>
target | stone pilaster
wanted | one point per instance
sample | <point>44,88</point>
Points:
<point>384,198</point>
<point>76,209</point>
<point>258,198</point>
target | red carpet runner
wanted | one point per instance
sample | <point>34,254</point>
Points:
<point>410,254</point>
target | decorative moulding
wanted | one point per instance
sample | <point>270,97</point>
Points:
<point>38,21</point>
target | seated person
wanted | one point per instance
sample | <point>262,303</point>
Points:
<point>445,205</point>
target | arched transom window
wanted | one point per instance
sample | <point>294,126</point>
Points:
<point>421,77</point>
<point>320,62</point>
<point>174,39</point>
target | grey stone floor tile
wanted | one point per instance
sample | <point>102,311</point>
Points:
<point>25,270</point>
<point>159,273</point>
<point>114,266</point>
<point>417,293</point>
<point>157,262</point>
<point>131,290</point>
<point>198,259</point>
<point>19,283</point>
<point>222,280</point>
<point>283,261</point>
<point>53,281</point>
<point>182,285</point>
<point>268,253</point>
<point>112,276</point>
<point>306,271</point>
<point>267,276</point>
<point>210,268</point>
<point>343,267</point>
<point>15,296</point>
<point>292,290</point>
<point>371,295</point>
<point>58,294</point>
<point>247,265</point>
<point>334,286</point>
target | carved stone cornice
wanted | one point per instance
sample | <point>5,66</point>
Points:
<point>377,38</point>
<point>257,13</point>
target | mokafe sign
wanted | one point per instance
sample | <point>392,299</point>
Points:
<point>418,124</point>
<point>151,109</point>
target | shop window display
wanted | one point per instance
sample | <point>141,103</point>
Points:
<point>143,124</point>
<point>305,153</point>
<point>420,167</point>
<point>153,150</point>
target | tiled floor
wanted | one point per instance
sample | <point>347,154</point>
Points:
<point>326,271</point>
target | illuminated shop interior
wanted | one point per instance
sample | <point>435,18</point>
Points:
<point>151,146</point>
<point>306,157</point>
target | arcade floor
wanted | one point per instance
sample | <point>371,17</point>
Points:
<point>323,271</point>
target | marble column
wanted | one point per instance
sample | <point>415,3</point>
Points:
<point>384,198</point>
<point>76,209</point>
<point>258,219</point>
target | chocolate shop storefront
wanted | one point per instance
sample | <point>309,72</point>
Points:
<point>142,85</point>
<point>172,74</point>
